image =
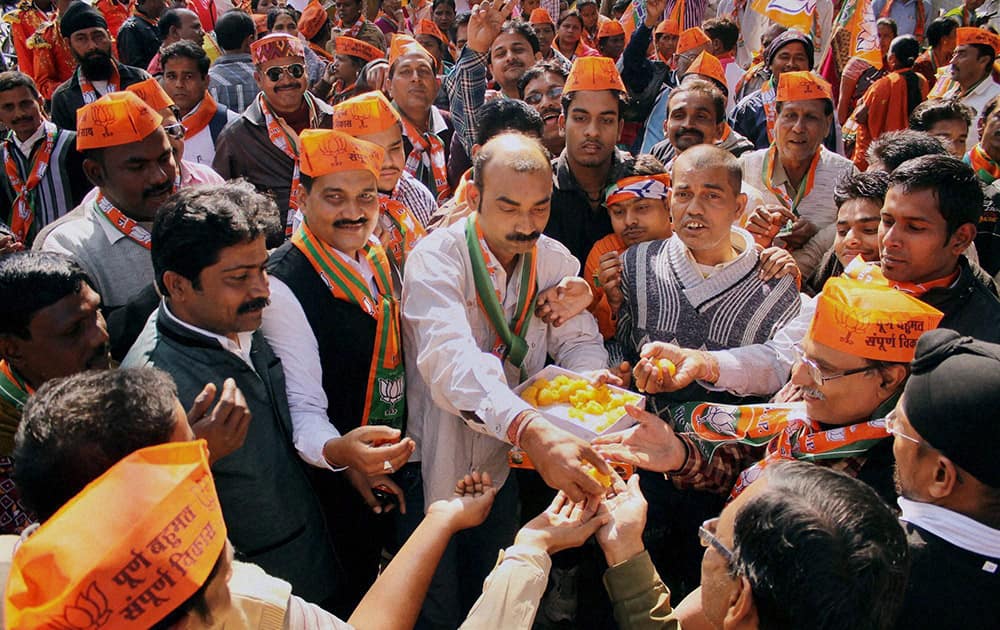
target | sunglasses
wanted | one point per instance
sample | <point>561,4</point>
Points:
<point>536,97</point>
<point>294,70</point>
<point>175,131</point>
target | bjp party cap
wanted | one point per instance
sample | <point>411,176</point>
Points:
<point>313,18</point>
<point>152,93</point>
<point>356,48</point>
<point>593,73</point>
<point>426,27</point>
<point>610,29</point>
<point>276,46</point>
<point>115,119</point>
<point>130,548</point>
<point>871,320</point>
<point>540,16</point>
<point>802,86</point>
<point>708,65</point>
<point>972,35</point>
<point>365,113</point>
<point>667,27</point>
<point>403,45</point>
<point>325,151</point>
<point>691,39</point>
<point>638,187</point>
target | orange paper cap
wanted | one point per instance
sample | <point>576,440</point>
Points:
<point>540,16</point>
<point>802,85</point>
<point>326,151</point>
<point>134,545</point>
<point>426,27</point>
<point>972,35</point>
<point>113,120</point>
<point>610,29</point>
<point>365,113</point>
<point>593,73</point>
<point>151,93</point>
<point>313,18</point>
<point>870,320</point>
<point>691,39</point>
<point>403,45</point>
<point>667,27</point>
<point>356,48</point>
<point>276,46</point>
<point>708,65</point>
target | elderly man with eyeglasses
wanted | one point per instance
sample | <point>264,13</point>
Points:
<point>263,145</point>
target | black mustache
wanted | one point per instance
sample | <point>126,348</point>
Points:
<point>527,238</point>
<point>253,306</point>
<point>684,130</point>
<point>349,222</point>
<point>21,120</point>
<point>158,190</point>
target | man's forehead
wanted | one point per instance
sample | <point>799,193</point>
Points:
<point>544,81</point>
<point>594,101</point>
<point>352,181</point>
<point>67,308</point>
<point>413,59</point>
<point>280,61</point>
<point>18,93</point>
<point>509,39</point>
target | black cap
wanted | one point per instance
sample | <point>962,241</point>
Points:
<point>786,38</point>
<point>78,16</point>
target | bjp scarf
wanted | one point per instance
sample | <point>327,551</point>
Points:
<point>13,389</point>
<point>23,208</point>
<point>783,428</point>
<point>400,231</point>
<point>89,93</point>
<point>287,141</point>
<point>384,402</point>
<point>805,187</point>
<point>200,117</point>
<point>987,170</point>
<point>428,144</point>
<point>510,344</point>
<point>129,227</point>
<point>769,100</point>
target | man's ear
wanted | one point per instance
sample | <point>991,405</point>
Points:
<point>474,196</point>
<point>962,238</point>
<point>177,286</point>
<point>562,126</point>
<point>10,348</point>
<point>94,171</point>
<point>742,612</point>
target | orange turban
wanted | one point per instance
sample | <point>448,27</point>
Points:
<point>426,27</point>
<point>973,35</point>
<point>540,16</point>
<point>365,113</point>
<point>405,45</point>
<point>313,18</point>
<point>802,85</point>
<point>276,46</point>
<point>593,73</point>
<point>610,29</point>
<point>667,27</point>
<point>691,39</point>
<point>113,120</point>
<point>325,151</point>
<point>151,92</point>
<point>356,48</point>
<point>870,319</point>
<point>126,551</point>
<point>708,65</point>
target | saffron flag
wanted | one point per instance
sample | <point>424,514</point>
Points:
<point>797,14</point>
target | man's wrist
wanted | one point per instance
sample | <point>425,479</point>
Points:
<point>332,454</point>
<point>710,371</point>
<point>622,551</point>
<point>532,435</point>
<point>532,538</point>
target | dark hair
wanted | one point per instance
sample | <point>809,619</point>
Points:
<point>887,21</point>
<point>906,49</point>
<point>487,153</point>
<point>168,20</point>
<point>939,28</point>
<point>540,69</point>
<point>436,3</point>
<point>232,29</point>
<point>933,111</point>
<point>273,13</point>
<point>197,223</point>
<point>988,110</point>
<point>954,183</point>
<point>704,156</point>
<point>821,550</point>
<point>722,29</point>
<point>74,429</point>
<point>567,100</point>
<point>702,87</point>
<point>507,114</point>
<point>186,50</point>
<point>643,164</point>
<point>31,281</point>
<point>870,185</point>
<point>196,604</point>
<point>895,147</point>
<point>522,28</point>
<point>572,13</point>
<point>13,79</point>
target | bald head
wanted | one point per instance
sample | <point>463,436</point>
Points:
<point>706,156</point>
<point>514,152</point>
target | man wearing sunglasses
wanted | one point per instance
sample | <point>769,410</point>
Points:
<point>263,145</point>
<point>945,433</point>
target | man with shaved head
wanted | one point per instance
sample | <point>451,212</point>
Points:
<point>470,335</point>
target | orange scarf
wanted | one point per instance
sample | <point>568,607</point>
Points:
<point>987,170</point>
<point>287,141</point>
<point>89,93</point>
<point>431,146</point>
<point>400,231</point>
<point>918,289</point>
<point>125,225</point>
<point>769,100</point>
<point>199,117</point>
<point>771,161</point>
<point>23,210</point>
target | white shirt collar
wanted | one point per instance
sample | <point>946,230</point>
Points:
<point>958,529</point>
<point>241,349</point>
<point>361,266</point>
<point>438,124</point>
<point>26,146</point>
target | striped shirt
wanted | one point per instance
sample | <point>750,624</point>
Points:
<point>231,82</point>
<point>414,195</point>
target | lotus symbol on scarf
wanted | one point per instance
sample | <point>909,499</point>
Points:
<point>391,391</point>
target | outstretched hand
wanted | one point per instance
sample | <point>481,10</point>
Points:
<point>470,505</point>
<point>651,444</point>
<point>485,22</point>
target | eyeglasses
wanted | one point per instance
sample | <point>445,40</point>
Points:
<point>536,97</point>
<point>892,426</point>
<point>706,534</point>
<point>175,131</point>
<point>294,70</point>
<point>816,372</point>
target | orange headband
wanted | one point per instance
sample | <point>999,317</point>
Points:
<point>113,120</point>
<point>325,151</point>
<point>638,187</point>
<point>356,48</point>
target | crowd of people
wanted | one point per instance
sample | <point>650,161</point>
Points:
<point>271,275</point>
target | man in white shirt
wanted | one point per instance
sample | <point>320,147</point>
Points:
<point>462,362</point>
<point>972,72</point>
